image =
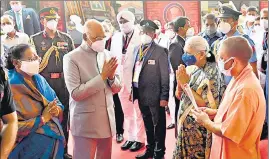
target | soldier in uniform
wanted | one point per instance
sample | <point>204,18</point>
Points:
<point>228,26</point>
<point>51,45</point>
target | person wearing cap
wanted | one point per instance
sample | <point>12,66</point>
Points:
<point>228,26</point>
<point>181,27</point>
<point>211,34</point>
<point>74,33</point>
<point>26,19</point>
<point>119,115</point>
<point>150,87</point>
<point>51,45</point>
<point>122,46</point>
<point>248,26</point>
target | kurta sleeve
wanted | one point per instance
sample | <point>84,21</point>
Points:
<point>240,113</point>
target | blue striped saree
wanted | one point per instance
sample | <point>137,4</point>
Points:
<point>35,140</point>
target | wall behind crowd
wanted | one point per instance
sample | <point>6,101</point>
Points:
<point>162,10</point>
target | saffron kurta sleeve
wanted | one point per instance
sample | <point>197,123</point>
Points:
<point>240,113</point>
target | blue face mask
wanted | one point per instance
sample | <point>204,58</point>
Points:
<point>188,59</point>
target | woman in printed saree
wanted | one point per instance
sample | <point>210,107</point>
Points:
<point>207,86</point>
<point>38,108</point>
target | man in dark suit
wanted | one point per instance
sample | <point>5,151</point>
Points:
<point>150,86</point>
<point>181,26</point>
<point>26,19</point>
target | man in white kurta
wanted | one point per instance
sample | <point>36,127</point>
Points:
<point>122,46</point>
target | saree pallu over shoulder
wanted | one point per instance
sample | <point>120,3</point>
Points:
<point>30,102</point>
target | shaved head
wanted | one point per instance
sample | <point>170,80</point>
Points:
<point>93,29</point>
<point>237,47</point>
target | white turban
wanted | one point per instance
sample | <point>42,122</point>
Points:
<point>126,15</point>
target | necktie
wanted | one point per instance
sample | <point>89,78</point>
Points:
<point>18,21</point>
<point>125,44</point>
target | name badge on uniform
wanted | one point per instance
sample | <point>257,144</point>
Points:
<point>151,62</point>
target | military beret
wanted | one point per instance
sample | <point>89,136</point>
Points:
<point>50,12</point>
<point>227,12</point>
<point>148,24</point>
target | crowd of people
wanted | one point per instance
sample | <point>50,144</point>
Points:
<point>213,85</point>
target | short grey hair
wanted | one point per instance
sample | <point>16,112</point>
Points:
<point>197,43</point>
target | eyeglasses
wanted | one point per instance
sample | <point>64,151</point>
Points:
<point>6,23</point>
<point>32,59</point>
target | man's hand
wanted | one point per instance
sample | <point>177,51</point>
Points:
<point>210,112</point>
<point>182,76</point>
<point>114,68</point>
<point>163,103</point>
<point>109,68</point>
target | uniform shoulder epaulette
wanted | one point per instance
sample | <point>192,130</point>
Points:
<point>65,34</point>
<point>36,34</point>
<point>248,38</point>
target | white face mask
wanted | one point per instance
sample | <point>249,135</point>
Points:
<point>250,18</point>
<point>16,7</point>
<point>127,27</point>
<point>8,28</point>
<point>170,34</point>
<point>225,27</point>
<point>31,68</point>
<point>221,65</point>
<point>190,32</point>
<point>145,39</point>
<point>52,24</point>
<point>258,28</point>
<point>264,23</point>
<point>98,46</point>
<point>108,35</point>
<point>158,31</point>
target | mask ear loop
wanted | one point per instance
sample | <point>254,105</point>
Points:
<point>232,58</point>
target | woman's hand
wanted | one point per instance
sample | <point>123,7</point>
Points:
<point>182,76</point>
<point>54,109</point>
<point>46,114</point>
<point>210,112</point>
